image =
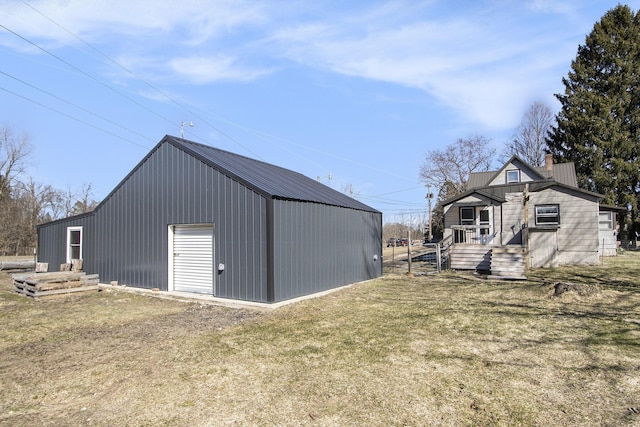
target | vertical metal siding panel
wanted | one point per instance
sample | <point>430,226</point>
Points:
<point>293,217</point>
<point>238,247</point>
<point>260,250</point>
<point>249,246</point>
<point>341,242</point>
<point>241,238</point>
<point>277,254</point>
<point>231,221</point>
<point>220,233</point>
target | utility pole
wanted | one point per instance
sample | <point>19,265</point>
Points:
<point>429,197</point>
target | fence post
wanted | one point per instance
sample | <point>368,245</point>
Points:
<point>438,258</point>
<point>409,250</point>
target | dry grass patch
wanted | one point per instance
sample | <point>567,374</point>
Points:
<point>449,349</point>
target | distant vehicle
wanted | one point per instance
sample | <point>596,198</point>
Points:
<point>393,241</point>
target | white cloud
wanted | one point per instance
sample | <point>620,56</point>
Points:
<point>479,64</point>
<point>551,6</point>
<point>91,20</point>
<point>481,59</point>
<point>208,69</point>
<point>144,34</point>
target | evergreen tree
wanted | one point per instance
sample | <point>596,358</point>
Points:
<point>598,126</point>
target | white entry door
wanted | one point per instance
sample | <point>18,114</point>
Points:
<point>193,258</point>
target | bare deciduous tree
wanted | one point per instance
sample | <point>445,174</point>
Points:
<point>14,151</point>
<point>25,203</point>
<point>84,201</point>
<point>453,165</point>
<point>529,140</point>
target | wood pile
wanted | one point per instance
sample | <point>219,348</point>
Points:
<point>62,282</point>
<point>17,265</point>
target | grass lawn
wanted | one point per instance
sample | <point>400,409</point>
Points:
<point>452,349</point>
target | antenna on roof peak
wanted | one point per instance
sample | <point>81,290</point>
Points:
<point>190,124</point>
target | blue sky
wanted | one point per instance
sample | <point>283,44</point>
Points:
<point>356,90</point>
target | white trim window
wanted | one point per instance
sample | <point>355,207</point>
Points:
<point>547,214</point>
<point>467,215</point>
<point>605,221</point>
<point>74,243</point>
<point>513,176</point>
<point>484,221</point>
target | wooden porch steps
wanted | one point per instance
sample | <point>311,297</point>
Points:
<point>503,262</point>
<point>507,263</point>
<point>470,257</point>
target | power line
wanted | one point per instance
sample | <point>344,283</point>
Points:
<point>155,88</point>
<point>261,135</point>
<point>72,118</point>
<point>76,106</point>
<point>264,136</point>
<point>85,74</point>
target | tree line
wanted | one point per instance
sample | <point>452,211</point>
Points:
<point>597,127</point>
<point>25,203</point>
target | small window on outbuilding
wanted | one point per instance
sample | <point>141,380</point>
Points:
<point>513,176</point>
<point>547,214</point>
<point>74,243</point>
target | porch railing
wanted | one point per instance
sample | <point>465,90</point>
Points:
<point>471,234</point>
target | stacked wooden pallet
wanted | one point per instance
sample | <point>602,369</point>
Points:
<point>62,282</point>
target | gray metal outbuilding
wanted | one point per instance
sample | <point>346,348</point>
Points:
<point>190,217</point>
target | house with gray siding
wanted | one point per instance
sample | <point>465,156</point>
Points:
<point>522,216</point>
<point>193,218</point>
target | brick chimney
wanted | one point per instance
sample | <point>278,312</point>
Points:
<point>548,164</point>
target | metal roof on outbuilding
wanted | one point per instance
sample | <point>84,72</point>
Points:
<point>270,180</point>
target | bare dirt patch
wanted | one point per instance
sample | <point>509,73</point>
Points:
<point>448,349</point>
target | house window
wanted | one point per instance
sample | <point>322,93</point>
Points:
<point>484,221</point>
<point>74,243</point>
<point>547,215</point>
<point>467,216</point>
<point>513,176</point>
<point>605,219</point>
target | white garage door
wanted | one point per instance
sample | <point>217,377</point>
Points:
<point>193,258</point>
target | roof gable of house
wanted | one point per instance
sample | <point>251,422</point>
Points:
<point>493,185</point>
<point>498,193</point>
<point>563,173</point>
<point>525,173</point>
<point>499,177</point>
